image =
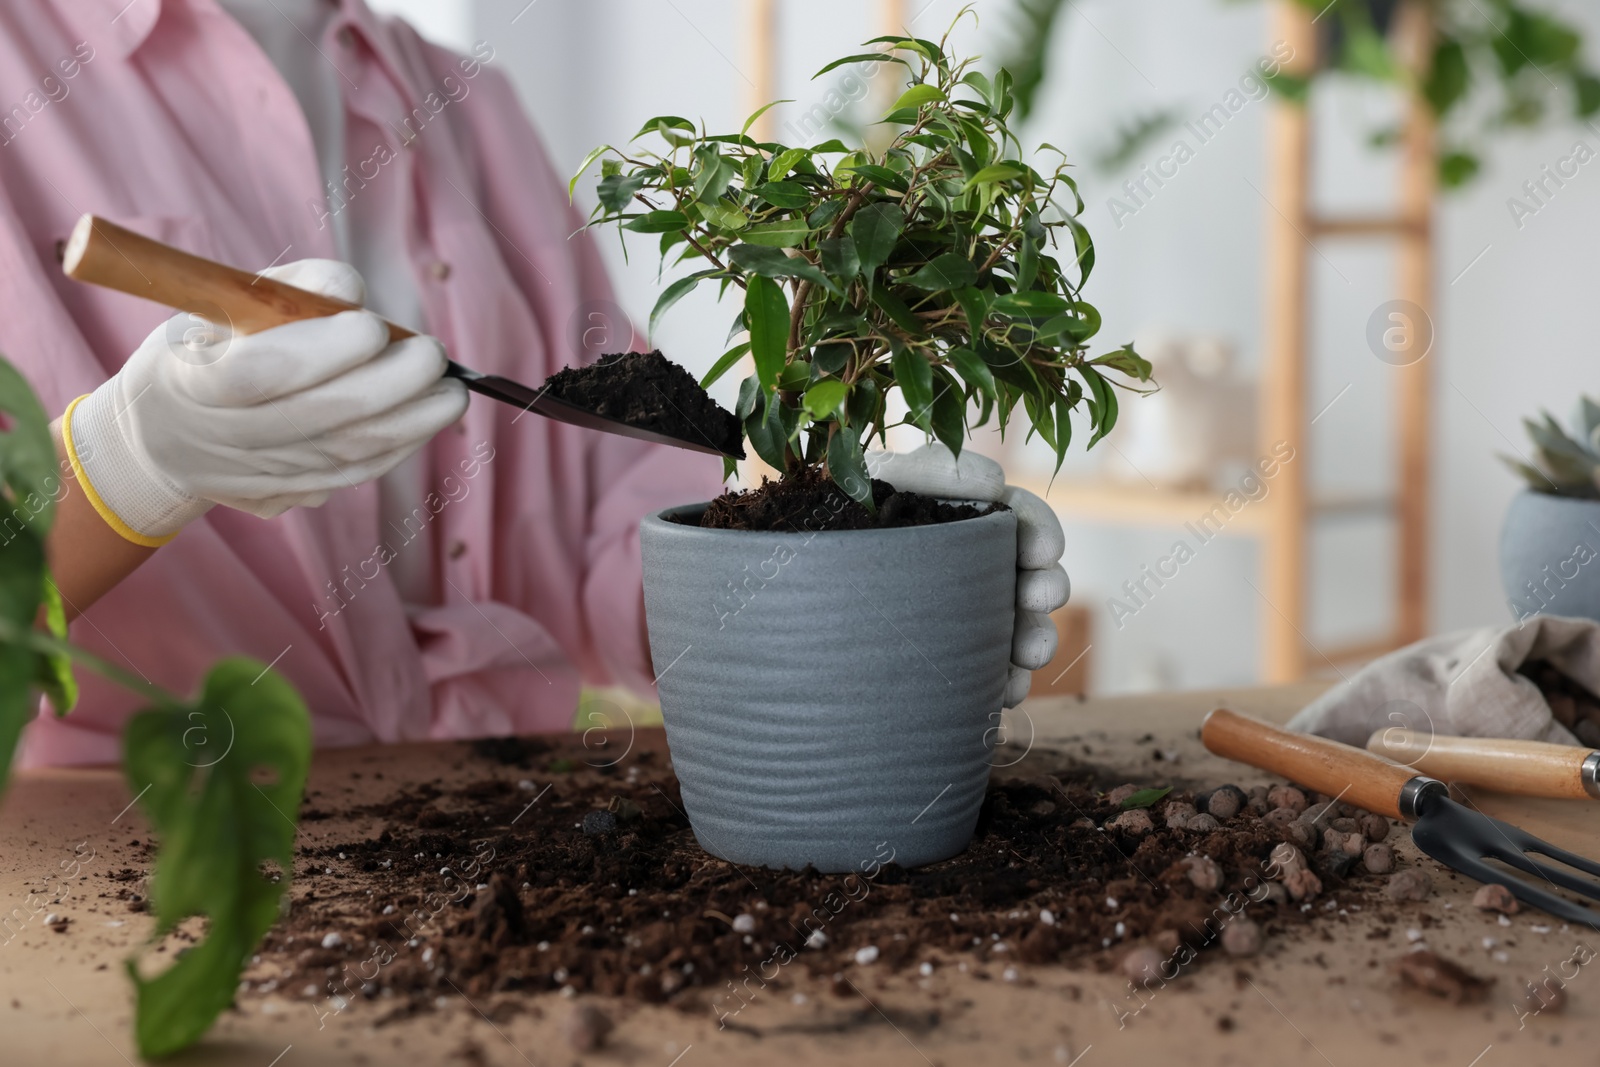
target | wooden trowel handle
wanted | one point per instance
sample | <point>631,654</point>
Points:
<point>108,255</point>
<point>1354,776</point>
<point>1526,768</point>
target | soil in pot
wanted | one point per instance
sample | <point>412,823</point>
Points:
<point>527,871</point>
<point>808,501</point>
<point>647,390</point>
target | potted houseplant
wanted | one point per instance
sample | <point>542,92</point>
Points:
<point>1550,543</point>
<point>830,675</point>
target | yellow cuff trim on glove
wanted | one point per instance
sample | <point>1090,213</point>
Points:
<point>126,532</point>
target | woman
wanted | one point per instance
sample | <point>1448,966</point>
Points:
<point>446,584</point>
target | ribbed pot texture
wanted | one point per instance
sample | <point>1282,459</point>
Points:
<point>831,698</point>
<point>1550,556</point>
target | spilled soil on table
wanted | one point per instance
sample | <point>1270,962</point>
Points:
<point>647,390</point>
<point>543,873</point>
<point>808,501</point>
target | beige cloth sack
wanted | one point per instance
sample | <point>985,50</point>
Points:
<point>1462,684</point>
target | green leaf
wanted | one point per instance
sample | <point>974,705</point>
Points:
<point>773,263</point>
<point>830,146</point>
<point>973,370</point>
<point>1063,405</point>
<point>1033,304</point>
<point>1586,94</point>
<point>1102,405</point>
<point>847,465</point>
<point>716,172</point>
<point>949,411</point>
<point>914,374</point>
<point>1144,798</point>
<point>785,233</point>
<point>724,216</point>
<point>839,257</point>
<point>751,121</point>
<point>1456,168</point>
<point>724,363</point>
<point>665,125</point>
<point>949,271</point>
<point>976,307</point>
<point>996,172</point>
<point>863,57</point>
<point>823,397</point>
<point>766,312</point>
<point>918,95</point>
<point>658,222</point>
<point>876,230</point>
<point>882,176</point>
<point>795,376</point>
<point>765,431</point>
<point>784,194</point>
<point>897,310</point>
<point>1127,361</point>
<point>616,192</point>
<point>926,49</point>
<point>673,293</point>
<point>27,455</point>
<point>750,397</point>
<point>784,162</point>
<point>588,161</point>
<point>1448,77</point>
<point>221,783</point>
<point>862,406</point>
<point>53,670</point>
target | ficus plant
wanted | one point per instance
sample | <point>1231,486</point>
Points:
<point>945,266</point>
<point>219,777</point>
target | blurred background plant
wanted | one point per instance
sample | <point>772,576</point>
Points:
<point>1496,65</point>
<point>1564,464</point>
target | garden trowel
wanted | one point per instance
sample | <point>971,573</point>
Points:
<point>105,254</point>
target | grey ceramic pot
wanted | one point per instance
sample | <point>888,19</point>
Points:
<point>1550,556</point>
<point>831,699</point>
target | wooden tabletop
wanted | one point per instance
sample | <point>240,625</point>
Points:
<point>1315,999</point>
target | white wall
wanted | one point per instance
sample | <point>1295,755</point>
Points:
<point>1515,331</point>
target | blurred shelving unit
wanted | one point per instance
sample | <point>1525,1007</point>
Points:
<point>1283,522</point>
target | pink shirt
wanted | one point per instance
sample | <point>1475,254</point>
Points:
<point>165,116</point>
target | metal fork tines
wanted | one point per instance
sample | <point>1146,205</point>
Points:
<point>1463,840</point>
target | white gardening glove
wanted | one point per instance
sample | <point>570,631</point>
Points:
<point>261,423</point>
<point>1042,584</point>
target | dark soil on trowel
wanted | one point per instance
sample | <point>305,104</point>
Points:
<point>544,873</point>
<point>808,501</point>
<point>647,390</point>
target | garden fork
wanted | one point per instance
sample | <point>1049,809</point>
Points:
<point>1461,839</point>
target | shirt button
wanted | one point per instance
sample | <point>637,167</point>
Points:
<point>440,270</point>
<point>346,38</point>
<point>458,549</point>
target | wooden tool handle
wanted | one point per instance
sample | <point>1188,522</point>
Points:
<point>1527,768</point>
<point>108,255</point>
<point>1354,776</point>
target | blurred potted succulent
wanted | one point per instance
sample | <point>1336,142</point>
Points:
<point>1551,537</point>
<point>832,654</point>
